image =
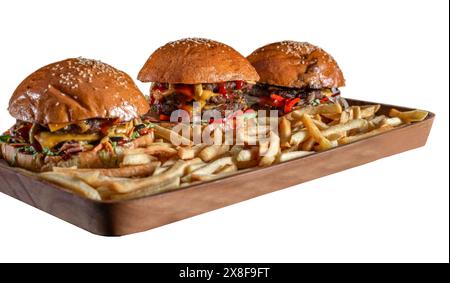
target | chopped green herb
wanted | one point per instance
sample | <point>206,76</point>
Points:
<point>135,135</point>
<point>316,102</point>
<point>29,149</point>
<point>5,138</point>
<point>114,145</point>
<point>154,108</point>
<point>149,125</point>
<point>48,152</point>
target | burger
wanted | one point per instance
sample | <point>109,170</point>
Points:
<point>294,74</point>
<point>198,70</point>
<point>76,112</point>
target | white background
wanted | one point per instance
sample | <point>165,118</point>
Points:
<point>395,209</point>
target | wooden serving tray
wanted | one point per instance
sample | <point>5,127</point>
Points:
<point>115,218</point>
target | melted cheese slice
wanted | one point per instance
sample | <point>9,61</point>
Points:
<point>58,126</point>
<point>202,95</point>
<point>49,140</point>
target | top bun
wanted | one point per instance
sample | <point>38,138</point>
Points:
<point>196,60</point>
<point>74,90</point>
<point>296,64</point>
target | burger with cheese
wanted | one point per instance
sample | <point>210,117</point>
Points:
<point>294,74</point>
<point>76,112</point>
<point>197,70</point>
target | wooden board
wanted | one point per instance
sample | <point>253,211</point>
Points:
<point>115,218</point>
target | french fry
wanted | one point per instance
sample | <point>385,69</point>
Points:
<point>160,170</point>
<point>308,144</point>
<point>299,137</point>
<point>225,171</point>
<point>376,121</point>
<point>369,110</point>
<point>228,169</point>
<point>296,124</point>
<point>323,109</point>
<point>336,136</point>
<point>71,183</point>
<point>409,116</point>
<point>334,143</point>
<point>340,128</point>
<point>191,168</point>
<point>293,155</point>
<point>356,112</point>
<point>170,162</point>
<point>334,108</point>
<point>269,156</point>
<point>124,172</point>
<point>333,116</point>
<point>345,117</point>
<point>285,132</point>
<point>159,181</point>
<point>315,133</point>
<point>351,139</point>
<point>244,155</point>
<point>213,166</point>
<point>317,117</point>
<point>190,152</point>
<point>235,149</point>
<point>321,125</point>
<point>171,136</point>
<point>147,191</point>
<point>163,149</point>
<point>136,159</point>
<point>213,151</point>
<point>393,121</point>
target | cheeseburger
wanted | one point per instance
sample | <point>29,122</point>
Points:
<point>197,70</point>
<point>294,74</point>
<point>76,112</point>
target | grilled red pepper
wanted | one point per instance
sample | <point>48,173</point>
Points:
<point>325,99</point>
<point>186,90</point>
<point>163,117</point>
<point>222,89</point>
<point>277,100</point>
<point>290,103</point>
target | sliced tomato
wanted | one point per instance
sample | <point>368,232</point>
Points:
<point>239,84</point>
<point>160,87</point>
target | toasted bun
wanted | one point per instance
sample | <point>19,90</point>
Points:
<point>74,90</point>
<point>38,163</point>
<point>196,60</point>
<point>296,64</point>
<point>18,159</point>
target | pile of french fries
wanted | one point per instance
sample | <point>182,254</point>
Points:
<point>162,166</point>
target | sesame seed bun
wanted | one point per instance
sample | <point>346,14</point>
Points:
<point>196,60</point>
<point>76,89</point>
<point>297,65</point>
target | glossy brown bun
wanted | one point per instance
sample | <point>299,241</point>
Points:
<point>18,159</point>
<point>296,64</point>
<point>196,60</point>
<point>74,90</point>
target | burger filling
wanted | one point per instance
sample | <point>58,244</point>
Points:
<point>66,139</point>
<point>287,99</point>
<point>231,96</point>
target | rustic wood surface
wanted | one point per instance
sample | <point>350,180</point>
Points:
<point>131,216</point>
